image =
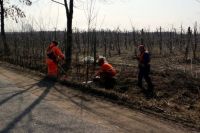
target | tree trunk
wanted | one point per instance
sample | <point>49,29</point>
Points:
<point>160,41</point>
<point>181,42</point>
<point>3,35</point>
<point>105,44</point>
<point>171,42</point>
<point>118,43</point>
<point>194,46</point>
<point>68,46</point>
<point>134,42</point>
<point>95,48</point>
<point>142,37</point>
<point>189,34</point>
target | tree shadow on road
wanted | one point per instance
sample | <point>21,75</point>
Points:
<point>47,84</point>
<point>15,94</point>
<point>97,110</point>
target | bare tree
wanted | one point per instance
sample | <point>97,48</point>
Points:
<point>189,39</point>
<point>171,42</point>
<point>194,46</point>
<point>181,43</point>
<point>68,47</point>
<point>12,11</point>
<point>160,40</point>
<point>91,39</point>
<point>142,37</point>
<point>69,9</point>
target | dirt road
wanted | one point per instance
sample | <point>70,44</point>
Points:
<point>29,103</point>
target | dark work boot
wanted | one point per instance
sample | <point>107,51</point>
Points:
<point>150,92</point>
<point>140,85</point>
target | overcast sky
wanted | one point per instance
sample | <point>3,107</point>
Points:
<point>148,14</point>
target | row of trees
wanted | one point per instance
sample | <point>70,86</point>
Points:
<point>28,48</point>
<point>117,42</point>
<point>14,12</point>
<point>108,41</point>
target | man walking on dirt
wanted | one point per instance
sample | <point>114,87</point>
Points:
<point>144,70</point>
<point>54,55</point>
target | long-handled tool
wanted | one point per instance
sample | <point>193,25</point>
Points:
<point>63,71</point>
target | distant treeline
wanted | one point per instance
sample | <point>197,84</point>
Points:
<point>28,48</point>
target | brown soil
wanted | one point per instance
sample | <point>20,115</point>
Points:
<point>177,88</point>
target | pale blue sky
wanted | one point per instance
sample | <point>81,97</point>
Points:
<point>148,14</point>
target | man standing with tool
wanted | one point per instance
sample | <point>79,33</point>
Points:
<point>54,55</point>
<point>144,70</point>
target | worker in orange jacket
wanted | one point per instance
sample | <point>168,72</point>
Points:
<point>106,73</point>
<point>54,55</point>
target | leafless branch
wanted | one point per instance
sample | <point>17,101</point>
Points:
<point>58,2</point>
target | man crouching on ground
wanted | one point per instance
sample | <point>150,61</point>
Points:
<point>106,73</point>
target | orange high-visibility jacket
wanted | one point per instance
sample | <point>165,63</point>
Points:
<point>52,65</point>
<point>57,52</point>
<point>107,68</point>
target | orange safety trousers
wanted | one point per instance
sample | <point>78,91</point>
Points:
<point>52,68</point>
